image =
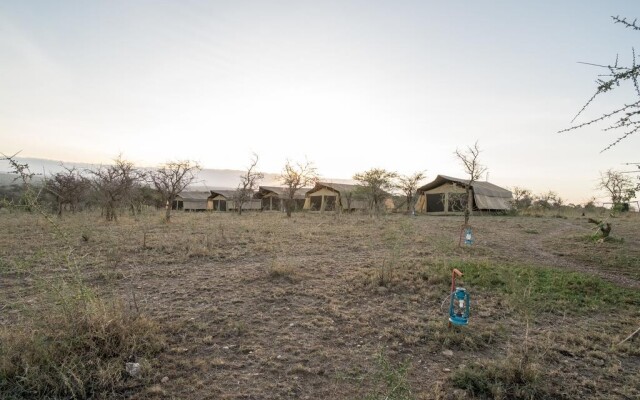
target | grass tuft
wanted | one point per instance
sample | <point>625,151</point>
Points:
<point>77,349</point>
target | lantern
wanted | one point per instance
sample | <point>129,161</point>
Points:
<point>459,303</point>
<point>468,237</point>
<point>459,307</point>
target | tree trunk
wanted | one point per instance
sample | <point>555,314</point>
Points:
<point>467,211</point>
<point>167,214</point>
<point>288,205</point>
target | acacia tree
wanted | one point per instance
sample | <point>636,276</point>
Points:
<point>68,187</point>
<point>474,170</point>
<point>409,184</point>
<point>548,200</point>
<point>294,177</point>
<point>248,184</point>
<point>114,184</point>
<point>172,178</point>
<point>29,196</point>
<point>619,187</point>
<point>625,118</point>
<point>522,198</point>
<point>376,183</point>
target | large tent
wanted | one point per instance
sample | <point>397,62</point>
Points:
<point>446,194</point>
<point>222,200</point>
<point>327,196</point>
<point>191,201</point>
<point>273,198</point>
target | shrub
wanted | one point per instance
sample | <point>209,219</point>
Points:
<point>76,349</point>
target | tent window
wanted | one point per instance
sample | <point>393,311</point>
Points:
<point>220,205</point>
<point>330,203</point>
<point>457,201</point>
<point>435,203</point>
<point>316,203</point>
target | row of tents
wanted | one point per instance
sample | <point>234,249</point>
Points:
<point>445,194</point>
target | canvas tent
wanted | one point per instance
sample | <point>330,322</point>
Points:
<point>447,194</point>
<point>191,201</point>
<point>273,198</point>
<point>218,199</point>
<point>222,200</point>
<point>326,196</point>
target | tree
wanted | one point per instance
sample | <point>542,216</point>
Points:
<point>619,187</point>
<point>522,198</point>
<point>68,187</point>
<point>625,118</point>
<point>409,184</point>
<point>547,200</point>
<point>172,178</point>
<point>294,177</point>
<point>248,184</point>
<point>376,183</point>
<point>474,170</point>
<point>29,197</point>
<point>114,185</point>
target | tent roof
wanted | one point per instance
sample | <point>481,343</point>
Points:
<point>281,191</point>
<point>342,188</point>
<point>487,195</point>
<point>224,193</point>
<point>194,195</point>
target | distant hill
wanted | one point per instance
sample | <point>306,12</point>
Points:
<point>208,179</point>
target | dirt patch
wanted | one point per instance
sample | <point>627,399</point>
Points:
<point>260,306</point>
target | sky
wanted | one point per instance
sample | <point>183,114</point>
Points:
<point>348,85</point>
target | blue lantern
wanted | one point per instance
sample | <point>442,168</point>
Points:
<point>468,237</point>
<point>459,307</point>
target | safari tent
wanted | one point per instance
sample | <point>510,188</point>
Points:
<point>327,196</point>
<point>273,198</point>
<point>191,201</point>
<point>218,199</point>
<point>447,195</point>
<point>222,200</point>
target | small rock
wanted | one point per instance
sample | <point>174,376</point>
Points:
<point>382,290</point>
<point>133,369</point>
<point>446,369</point>
<point>279,356</point>
<point>225,348</point>
<point>448,353</point>
<point>291,324</point>
<point>165,379</point>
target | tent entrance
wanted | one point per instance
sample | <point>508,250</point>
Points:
<point>435,203</point>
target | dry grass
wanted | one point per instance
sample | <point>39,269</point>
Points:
<point>260,306</point>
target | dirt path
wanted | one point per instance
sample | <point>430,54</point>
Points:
<point>544,256</point>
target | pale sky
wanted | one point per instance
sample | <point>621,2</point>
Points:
<point>350,85</point>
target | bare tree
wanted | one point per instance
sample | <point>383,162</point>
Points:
<point>248,184</point>
<point>547,200</point>
<point>619,186</point>
<point>624,118</point>
<point>172,178</point>
<point>474,170</point>
<point>114,184</point>
<point>68,187</point>
<point>376,183</point>
<point>29,196</point>
<point>522,198</point>
<point>295,176</point>
<point>409,184</point>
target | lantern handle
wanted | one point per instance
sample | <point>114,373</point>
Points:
<point>455,272</point>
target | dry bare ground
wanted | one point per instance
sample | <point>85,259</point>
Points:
<point>324,306</point>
